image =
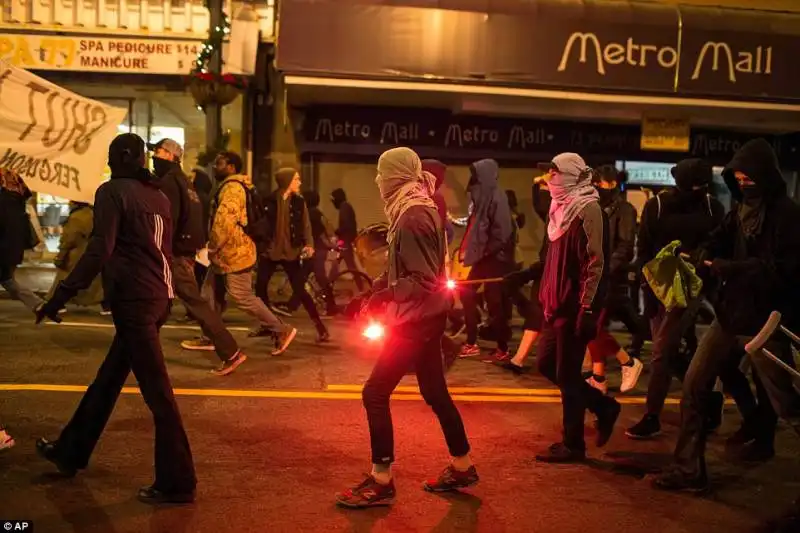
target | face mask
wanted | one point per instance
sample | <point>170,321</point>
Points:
<point>161,166</point>
<point>606,196</point>
<point>751,194</point>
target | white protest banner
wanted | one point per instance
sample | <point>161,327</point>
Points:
<point>55,139</point>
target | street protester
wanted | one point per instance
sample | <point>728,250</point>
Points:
<point>687,214</point>
<point>324,241</point>
<point>413,300</point>
<point>618,305</point>
<point>71,247</point>
<point>232,250</point>
<point>535,315</point>
<point>16,235</point>
<point>189,236</point>
<point>132,238</point>
<point>290,241</point>
<point>488,250</point>
<point>574,285</point>
<point>755,253</point>
<point>346,232</point>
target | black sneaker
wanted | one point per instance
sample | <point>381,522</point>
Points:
<point>281,309</point>
<point>323,337</point>
<point>260,331</point>
<point>49,451</point>
<point>154,496</point>
<point>513,367</point>
<point>716,405</point>
<point>757,452</point>
<point>368,493</point>
<point>227,367</point>
<point>606,421</point>
<point>677,481</point>
<point>648,428</point>
<point>743,436</point>
<point>451,479</point>
<point>283,340</point>
<point>559,453</point>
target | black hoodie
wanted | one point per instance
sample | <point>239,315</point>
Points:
<point>131,242</point>
<point>348,227</point>
<point>759,274</point>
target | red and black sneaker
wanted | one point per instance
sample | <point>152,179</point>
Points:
<point>369,493</point>
<point>451,479</point>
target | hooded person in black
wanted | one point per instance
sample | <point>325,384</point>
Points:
<point>687,214</point>
<point>347,231</point>
<point>488,249</point>
<point>413,300</point>
<point>132,238</point>
<point>755,254</point>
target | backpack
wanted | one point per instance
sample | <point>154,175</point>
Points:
<point>258,227</point>
<point>190,231</point>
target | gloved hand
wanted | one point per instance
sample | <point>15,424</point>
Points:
<point>377,301</point>
<point>516,279</point>
<point>48,309</point>
<point>586,326</point>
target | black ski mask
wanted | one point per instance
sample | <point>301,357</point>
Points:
<point>161,166</point>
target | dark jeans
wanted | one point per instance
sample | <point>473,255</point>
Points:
<point>620,307</point>
<point>317,266</point>
<point>718,351</point>
<point>294,271</point>
<point>497,302</point>
<point>409,347</point>
<point>347,255</point>
<point>668,328</point>
<point>535,317</point>
<point>136,347</point>
<point>210,320</point>
<point>559,358</point>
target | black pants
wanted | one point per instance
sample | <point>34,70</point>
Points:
<point>559,358</point>
<point>668,329</point>
<point>499,306</point>
<point>620,307</point>
<point>136,347</point>
<point>294,271</point>
<point>718,350</point>
<point>413,346</point>
<point>316,266</point>
<point>534,320</point>
<point>210,321</point>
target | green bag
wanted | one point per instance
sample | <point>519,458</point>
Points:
<point>674,281</point>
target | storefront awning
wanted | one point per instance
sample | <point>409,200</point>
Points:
<point>595,47</point>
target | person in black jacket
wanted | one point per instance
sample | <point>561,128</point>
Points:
<point>290,241</point>
<point>687,214</point>
<point>132,237</point>
<point>573,290</point>
<point>755,253</point>
<point>324,242</point>
<point>189,236</point>
<point>488,249</point>
<point>347,231</point>
<point>203,186</point>
<point>618,306</point>
<point>413,299</point>
<point>16,235</point>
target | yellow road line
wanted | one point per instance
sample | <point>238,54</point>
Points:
<point>500,391</point>
<point>313,395</point>
<point>111,326</point>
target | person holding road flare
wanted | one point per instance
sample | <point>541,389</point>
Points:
<point>573,290</point>
<point>414,301</point>
<point>132,238</point>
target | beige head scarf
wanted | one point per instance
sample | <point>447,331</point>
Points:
<point>403,184</point>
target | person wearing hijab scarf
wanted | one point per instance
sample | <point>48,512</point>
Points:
<point>572,289</point>
<point>412,297</point>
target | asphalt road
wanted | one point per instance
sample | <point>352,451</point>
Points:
<point>274,442</point>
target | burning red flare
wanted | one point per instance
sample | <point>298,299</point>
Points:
<point>451,284</point>
<point>374,331</point>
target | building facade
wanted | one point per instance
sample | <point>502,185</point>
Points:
<point>639,84</point>
<point>133,54</point>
